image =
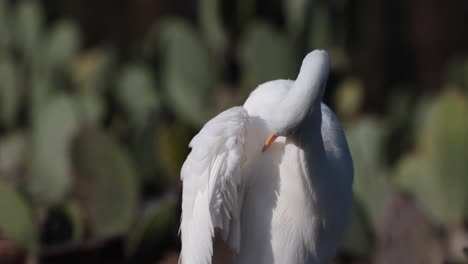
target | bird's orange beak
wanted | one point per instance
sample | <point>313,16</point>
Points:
<point>271,138</point>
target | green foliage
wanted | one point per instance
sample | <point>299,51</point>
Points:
<point>90,105</point>
<point>5,34</point>
<point>75,215</point>
<point>349,98</point>
<point>456,72</point>
<point>12,156</point>
<point>92,73</point>
<point>107,183</point>
<point>93,70</point>
<point>322,33</point>
<point>371,187</point>
<point>62,45</point>
<point>49,177</point>
<point>189,73</point>
<point>29,22</point>
<point>136,94</point>
<point>416,175</point>
<point>295,13</point>
<point>448,125</point>
<point>436,174</point>
<point>16,220</point>
<point>358,237</point>
<point>265,54</point>
<point>211,25</point>
<point>245,12</point>
<point>95,132</point>
<point>173,140</point>
<point>319,32</point>
<point>155,225</point>
<point>11,91</point>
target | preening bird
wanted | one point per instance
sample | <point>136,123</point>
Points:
<point>270,180</point>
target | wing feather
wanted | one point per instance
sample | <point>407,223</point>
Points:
<point>212,182</point>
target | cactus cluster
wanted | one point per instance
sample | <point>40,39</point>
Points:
<point>94,141</point>
<point>432,170</point>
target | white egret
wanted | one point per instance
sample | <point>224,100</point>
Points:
<point>283,201</point>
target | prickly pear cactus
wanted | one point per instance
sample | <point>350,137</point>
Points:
<point>189,74</point>
<point>106,182</point>
<point>49,176</point>
<point>436,173</point>
<point>16,220</point>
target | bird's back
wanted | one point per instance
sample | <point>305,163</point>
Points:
<point>289,215</point>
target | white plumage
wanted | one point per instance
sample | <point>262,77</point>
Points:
<point>289,204</point>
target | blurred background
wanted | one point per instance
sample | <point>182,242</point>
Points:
<point>99,99</point>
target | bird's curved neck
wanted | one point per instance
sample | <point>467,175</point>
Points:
<point>309,134</point>
<point>304,95</point>
<point>309,140</point>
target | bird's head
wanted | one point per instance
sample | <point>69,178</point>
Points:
<point>302,98</point>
